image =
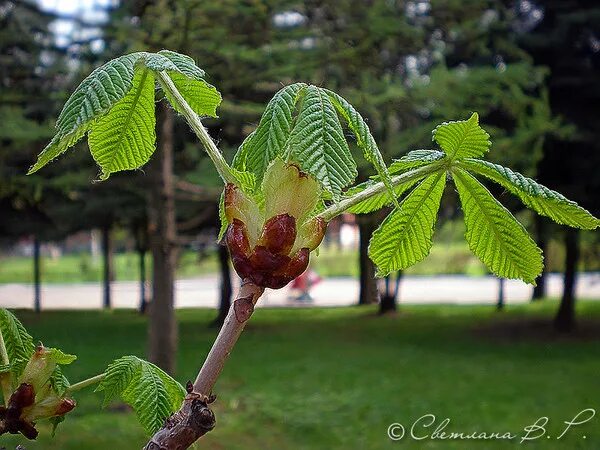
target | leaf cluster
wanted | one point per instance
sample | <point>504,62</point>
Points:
<point>303,124</point>
<point>492,232</point>
<point>150,391</point>
<point>114,105</point>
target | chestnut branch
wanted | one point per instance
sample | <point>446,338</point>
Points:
<point>194,418</point>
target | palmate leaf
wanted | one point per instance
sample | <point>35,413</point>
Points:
<point>18,342</point>
<point>124,138</point>
<point>405,236</point>
<point>364,138</point>
<point>270,139</point>
<point>462,139</point>
<point>544,201</point>
<point>151,392</point>
<point>120,91</point>
<point>494,235</point>
<point>95,96</point>
<point>317,143</point>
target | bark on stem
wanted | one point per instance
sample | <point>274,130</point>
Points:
<point>195,418</point>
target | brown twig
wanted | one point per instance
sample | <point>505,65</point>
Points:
<point>195,418</point>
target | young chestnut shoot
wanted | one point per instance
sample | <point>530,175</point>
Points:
<point>288,179</point>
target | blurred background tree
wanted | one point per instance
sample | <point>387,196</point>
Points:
<point>566,41</point>
<point>406,66</point>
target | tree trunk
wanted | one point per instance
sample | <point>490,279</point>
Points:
<point>368,284</point>
<point>500,302</point>
<point>539,290</point>
<point>162,328</point>
<point>37,279</point>
<point>226,288</point>
<point>143,295</point>
<point>388,302</point>
<point>565,318</point>
<point>107,263</point>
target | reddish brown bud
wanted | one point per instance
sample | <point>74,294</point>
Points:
<point>65,405</point>
<point>271,232</point>
<point>279,233</point>
<point>278,281</point>
<point>27,429</point>
<point>242,265</point>
<point>237,238</point>
<point>23,397</point>
<point>265,261</point>
<point>298,264</point>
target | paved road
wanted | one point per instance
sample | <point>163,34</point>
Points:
<point>203,292</point>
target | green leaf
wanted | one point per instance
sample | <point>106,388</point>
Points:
<point>59,381</point>
<point>405,236</point>
<point>462,139</point>
<point>153,395</point>
<point>364,138</point>
<point>59,357</point>
<point>202,97</point>
<point>118,376</point>
<point>241,155</point>
<point>56,421</point>
<point>151,392</point>
<point>124,138</point>
<point>184,64</point>
<point>104,87</point>
<point>107,86</point>
<point>270,139</point>
<point>414,159</point>
<point>494,235</point>
<point>544,201</point>
<point>245,180</point>
<point>317,143</point>
<point>377,201</point>
<point>187,77</point>
<point>18,342</point>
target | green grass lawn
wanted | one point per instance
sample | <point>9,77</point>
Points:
<point>331,262</point>
<point>336,378</point>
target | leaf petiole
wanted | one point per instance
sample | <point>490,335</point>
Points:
<point>338,208</point>
<point>85,383</point>
<point>196,124</point>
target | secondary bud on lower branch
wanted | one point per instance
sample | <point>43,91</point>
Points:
<point>35,398</point>
<point>270,241</point>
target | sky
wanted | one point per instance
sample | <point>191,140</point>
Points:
<point>65,30</point>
